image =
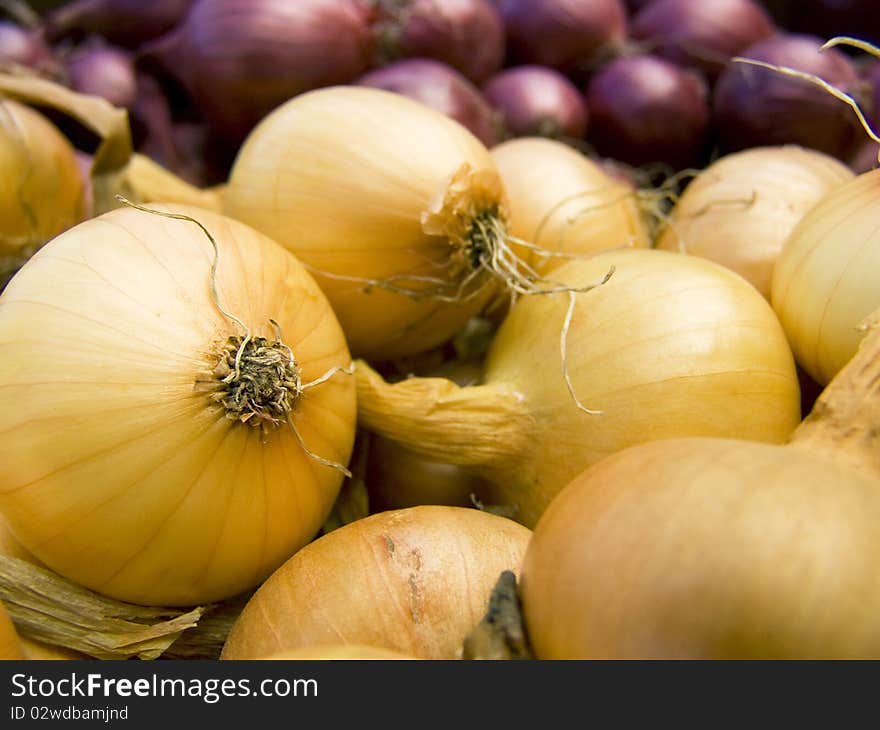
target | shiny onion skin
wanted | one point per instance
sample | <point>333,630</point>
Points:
<point>414,581</point>
<point>740,209</point>
<point>670,346</point>
<point>127,467</point>
<point>364,185</point>
<point>103,70</point>
<point>754,106</point>
<point>441,87</point>
<point>825,283</point>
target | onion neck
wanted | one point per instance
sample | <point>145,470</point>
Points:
<point>844,424</point>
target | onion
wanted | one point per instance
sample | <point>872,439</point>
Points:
<point>395,207</point>
<point>669,346</point>
<point>719,549</point>
<point>570,35</point>
<point>741,208</point>
<point>754,106</point>
<point>239,59</point>
<point>825,283</point>
<point>703,35</point>
<point>124,22</point>
<point>563,202</point>
<point>415,581</point>
<point>103,70</point>
<point>441,87</point>
<point>38,651</point>
<point>25,47</point>
<point>10,644</point>
<point>332,652</point>
<point>41,189</point>
<point>138,462</point>
<point>537,100</point>
<point>644,109</point>
<point>465,34</point>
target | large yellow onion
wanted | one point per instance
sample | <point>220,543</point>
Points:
<point>826,282</point>
<point>150,451</point>
<point>670,346</point>
<point>741,208</point>
<point>366,185</point>
<point>718,548</point>
<point>415,581</point>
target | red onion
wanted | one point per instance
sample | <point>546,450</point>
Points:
<point>103,70</point>
<point>645,109</point>
<point>122,22</point>
<point>537,100</point>
<point>569,35</point>
<point>24,47</point>
<point>239,59</point>
<point>465,34</point>
<point>756,106</point>
<point>441,87</point>
<point>704,34</point>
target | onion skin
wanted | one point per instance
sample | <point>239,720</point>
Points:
<point>644,109</point>
<point>441,87</point>
<point>239,59</point>
<point>168,501</point>
<point>740,210</point>
<point>465,34</point>
<point>703,35</point>
<point>537,101</point>
<point>755,106</point>
<point>105,71</point>
<point>23,47</point>
<point>10,644</point>
<point>569,35</point>
<point>332,652</point>
<point>415,581</point>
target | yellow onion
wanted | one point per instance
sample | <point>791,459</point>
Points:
<point>669,346</point>
<point>10,644</point>
<point>741,208</point>
<point>826,282</point>
<point>38,651</point>
<point>41,190</point>
<point>168,434</point>
<point>415,581</point>
<point>331,652</point>
<point>719,548</point>
<point>397,209</point>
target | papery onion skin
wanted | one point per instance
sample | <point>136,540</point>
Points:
<point>441,87</point>
<point>825,282</point>
<point>239,59</point>
<point>465,34</point>
<point>644,110</point>
<point>352,179</point>
<point>414,581</point>
<point>740,209</point>
<point>537,100</point>
<point>10,644</point>
<point>706,549</point>
<point>755,106</point>
<point>120,471</point>
<point>703,35</point>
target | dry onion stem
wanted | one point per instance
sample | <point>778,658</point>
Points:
<point>502,633</point>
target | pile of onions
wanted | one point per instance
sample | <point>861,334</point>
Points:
<point>826,282</point>
<point>414,581</point>
<point>537,100</point>
<point>720,549</point>
<point>669,346</point>
<point>396,208</point>
<point>644,110</point>
<point>41,189</point>
<point>703,35</point>
<point>441,87</point>
<point>170,433</point>
<point>564,203</point>
<point>741,208</point>
<point>239,59</point>
<point>755,106</point>
<point>465,34</point>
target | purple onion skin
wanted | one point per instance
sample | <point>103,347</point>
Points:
<point>465,34</point>
<point>441,87</point>
<point>645,110</point>
<point>22,47</point>
<point>755,106</point>
<point>572,36</point>
<point>122,22</point>
<point>105,71</point>
<point>703,35</point>
<point>239,59</point>
<point>537,101</point>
